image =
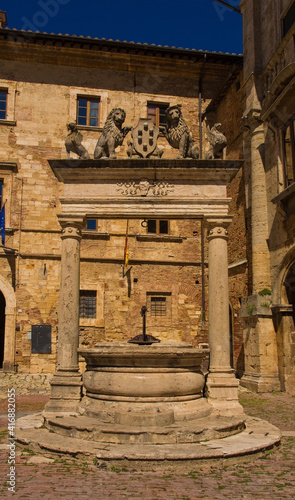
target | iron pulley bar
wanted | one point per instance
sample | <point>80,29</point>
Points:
<point>236,9</point>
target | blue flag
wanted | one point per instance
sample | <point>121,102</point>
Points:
<point>2,225</point>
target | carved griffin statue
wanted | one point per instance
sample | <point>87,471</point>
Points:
<point>73,142</point>
<point>178,135</point>
<point>112,134</point>
<point>217,142</point>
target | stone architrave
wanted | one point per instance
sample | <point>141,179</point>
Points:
<point>145,136</point>
<point>222,386</point>
<point>66,384</point>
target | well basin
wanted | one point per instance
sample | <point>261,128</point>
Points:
<point>156,385</point>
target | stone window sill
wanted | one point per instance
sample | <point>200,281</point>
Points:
<point>159,237</point>
<point>285,195</point>
<point>87,127</point>
<point>93,234</point>
<point>282,308</point>
<point>9,123</point>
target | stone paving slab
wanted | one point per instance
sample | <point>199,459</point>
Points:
<point>24,383</point>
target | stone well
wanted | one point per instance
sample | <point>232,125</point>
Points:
<point>145,394</point>
<point>145,403</point>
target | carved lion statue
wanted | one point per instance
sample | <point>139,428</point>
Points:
<point>73,142</point>
<point>112,134</point>
<point>217,142</point>
<point>178,135</point>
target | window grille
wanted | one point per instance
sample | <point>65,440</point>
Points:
<point>158,306</point>
<point>88,304</point>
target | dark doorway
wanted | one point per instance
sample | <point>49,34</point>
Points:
<point>231,336</point>
<point>2,328</point>
<point>290,288</point>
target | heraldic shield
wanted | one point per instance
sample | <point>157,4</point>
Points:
<point>145,136</point>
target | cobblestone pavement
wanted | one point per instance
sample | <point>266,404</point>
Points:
<point>270,476</point>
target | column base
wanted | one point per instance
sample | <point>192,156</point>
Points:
<point>66,392</point>
<point>9,366</point>
<point>222,393</point>
<point>260,383</point>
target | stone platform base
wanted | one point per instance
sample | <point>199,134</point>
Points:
<point>177,433</point>
<point>257,436</point>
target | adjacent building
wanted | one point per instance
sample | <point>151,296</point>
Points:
<point>269,174</point>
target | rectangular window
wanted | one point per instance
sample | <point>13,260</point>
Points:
<point>289,152</point>
<point>157,112</point>
<point>87,304</point>
<point>3,104</point>
<point>88,111</point>
<point>158,226</point>
<point>91,224</point>
<point>158,306</point>
<point>289,19</point>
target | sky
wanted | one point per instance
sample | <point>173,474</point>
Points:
<point>193,24</point>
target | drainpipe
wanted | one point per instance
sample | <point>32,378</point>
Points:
<point>20,230</point>
<point>200,105</point>
<point>203,273</point>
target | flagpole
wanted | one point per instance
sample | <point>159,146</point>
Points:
<point>126,251</point>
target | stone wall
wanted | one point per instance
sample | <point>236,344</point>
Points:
<point>43,82</point>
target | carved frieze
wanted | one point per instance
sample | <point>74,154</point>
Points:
<point>145,187</point>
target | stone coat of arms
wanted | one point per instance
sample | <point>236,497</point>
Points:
<point>145,136</point>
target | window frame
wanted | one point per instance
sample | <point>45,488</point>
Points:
<point>159,319</point>
<point>88,99</point>
<point>290,123</point>
<point>4,91</point>
<point>285,29</point>
<point>1,191</point>
<point>90,294</point>
<point>157,105</point>
<point>158,221</point>
<point>96,224</point>
<point>158,306</point>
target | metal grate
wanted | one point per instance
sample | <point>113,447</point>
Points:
<point>87,303</point>
<point>158,306</point>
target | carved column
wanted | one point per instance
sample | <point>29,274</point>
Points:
<point>66,383</point>
<point>222,386</point>
<point>260,343</point>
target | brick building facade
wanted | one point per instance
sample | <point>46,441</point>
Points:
<point>48,81</point>
<point>269,78</point>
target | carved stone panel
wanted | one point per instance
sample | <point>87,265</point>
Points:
<point>145,187</point>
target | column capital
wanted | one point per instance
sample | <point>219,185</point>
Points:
<point>218,227</point>
<point>71,225</point>
<point>252,119</point>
